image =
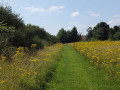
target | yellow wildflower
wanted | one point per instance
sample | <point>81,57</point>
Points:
<point>2,82</point>
<point>3,58</point>
<point>33,45</point>
<point>0,68</point>
<point>33,60</point>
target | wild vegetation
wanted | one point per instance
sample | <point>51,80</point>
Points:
<point>75,72</point>
<point>102,31</point>
<point>14,33</point>
<point>26,71</point>
<point>68,36</point>
<point>103,54</point>
<point>27,59</point>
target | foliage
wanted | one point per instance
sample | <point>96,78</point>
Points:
<point>14,33</point>
<point>102,32</point>
<point>5,35</point>
<point>74,35</point>
<point>11,19</point>
<point>62,36</point>
<point>68,36</point>
<point>35,34</point>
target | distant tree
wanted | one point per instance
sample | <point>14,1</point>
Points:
<point>79,36</point>
<point>74,35</point>
<point>111,34</point>
<point>62,36</point>
<point>90,34</point>
<point>117,34</point>
<point>100,31</point>
<point>116,28</point>
<point>69,36</point>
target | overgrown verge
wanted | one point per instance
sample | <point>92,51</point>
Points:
<point>29,72</point>
<point>103,54</point>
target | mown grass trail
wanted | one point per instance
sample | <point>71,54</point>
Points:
<point>74,72</point>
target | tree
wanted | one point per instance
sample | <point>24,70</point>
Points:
<point>62,36</point>
<point>80,36</point>
<point>117,36</point>
<point>74,35</point>
<point>69,36</point>
<point>100,31</point>
<point>90,34</point>
<point>11,19</point>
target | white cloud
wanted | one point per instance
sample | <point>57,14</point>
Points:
<point>33,9</point>
<point>117,16</point>
<point>50,9</point>
<point>93,14</point>
<point>55,8</point>
<point>74,14</point>
<point>114,22</point>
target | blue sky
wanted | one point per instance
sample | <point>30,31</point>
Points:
<point>56,14</point>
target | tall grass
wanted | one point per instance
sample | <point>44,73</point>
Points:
<point>28,71</point>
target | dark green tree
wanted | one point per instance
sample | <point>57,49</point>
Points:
<point>101,31</point>
<point>117,36</point>
<point>74,35</point>
<point>69,36</point>
<point>79,36</point>
<point>11,19</point>
<point>90,34</point>
<point>62,36</point>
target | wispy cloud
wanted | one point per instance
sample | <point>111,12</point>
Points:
<point>34,9</point>
<point>114,22</point>
<point>42,10</point>
<point>93,14</point>
<point>74,14</point>
<point>55,8</point>
<point>117,16</point>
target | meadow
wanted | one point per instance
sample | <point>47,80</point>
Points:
<point>80,65</point>
<point>28,71</point>
<point>105,55</point>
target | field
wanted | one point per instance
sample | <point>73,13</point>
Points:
<point>74,66</point>
<point>105,55</point>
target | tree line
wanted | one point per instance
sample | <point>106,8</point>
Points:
<point>102,31</point>
<point>68,36</point>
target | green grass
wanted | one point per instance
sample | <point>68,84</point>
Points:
<point>75,72</point>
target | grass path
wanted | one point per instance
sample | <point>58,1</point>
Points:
<point>74,72</point>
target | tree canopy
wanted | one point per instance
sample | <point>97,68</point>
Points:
<point>102,32</point>
<point>68,36</point>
